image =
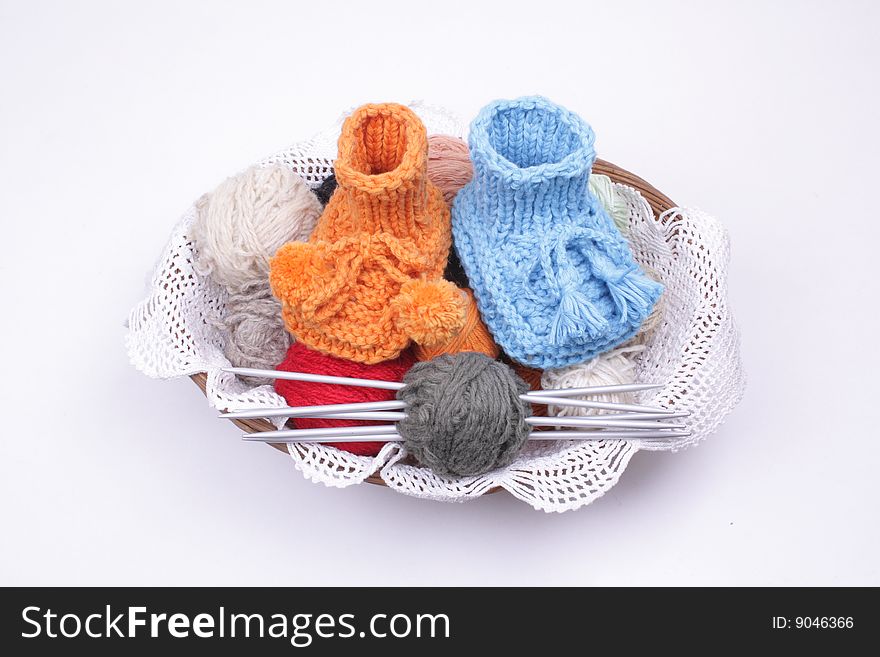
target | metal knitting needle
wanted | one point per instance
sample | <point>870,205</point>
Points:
<point>635,416</point>
<point>598,390</point>
<point>363,411</point>
<point>580,403</point>
<point>602,418</point>
<point>630,410</point>
<point>292,436</point>
<point>634,420</point>
<point>606,435</point>
<point>387,385</point>
<point>394,385</point>
<point>595,422</point>
<point>309,411</point>
<point>315,378</point>
<point>609,421</point>
<point>381,416</point>
<point>323,432</point>
<point>380,438</point>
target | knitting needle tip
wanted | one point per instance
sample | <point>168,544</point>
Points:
<point>607,435</point>
<point>313,378</point>
<point>582,403</point>
<point>598,390</point>
<point>315,411</point>
<point>380,438</point>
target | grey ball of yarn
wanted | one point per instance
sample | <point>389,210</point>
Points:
<point>254,328</point>
<point>464,414</point>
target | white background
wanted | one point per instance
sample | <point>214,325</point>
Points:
<point>115,116</point>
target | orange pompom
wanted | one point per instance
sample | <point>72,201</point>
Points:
<point>297,271</point>
<point>429,310</point>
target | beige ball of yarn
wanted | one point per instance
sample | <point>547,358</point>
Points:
<point>611,368</point>
<point>449,165</point>
<point>241,224</point>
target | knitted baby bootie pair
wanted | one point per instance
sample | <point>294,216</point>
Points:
<point>369,280</point>
<point>554,278</point>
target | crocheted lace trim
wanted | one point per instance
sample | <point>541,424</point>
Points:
<point>695,351</point>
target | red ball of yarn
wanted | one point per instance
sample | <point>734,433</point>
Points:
<point>300,393</point>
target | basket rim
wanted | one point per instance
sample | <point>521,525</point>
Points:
<point>656,199</point>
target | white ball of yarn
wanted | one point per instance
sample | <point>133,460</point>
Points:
<point>241,224</point>
<point>611,368</point>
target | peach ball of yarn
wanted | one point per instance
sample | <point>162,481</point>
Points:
<point>449,164</point>
<point>473,336</point>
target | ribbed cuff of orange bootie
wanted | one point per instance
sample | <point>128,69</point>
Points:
<point>383,169</point>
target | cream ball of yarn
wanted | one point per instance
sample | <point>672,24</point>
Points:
<point>613,367</point>
<point>241,224</point>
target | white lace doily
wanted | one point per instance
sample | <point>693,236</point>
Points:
<point>695,352</point>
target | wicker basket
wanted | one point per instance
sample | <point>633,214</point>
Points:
<point>694,352</point>
<point>658,201</point>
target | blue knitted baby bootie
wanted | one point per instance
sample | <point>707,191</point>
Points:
<point>554,279</point>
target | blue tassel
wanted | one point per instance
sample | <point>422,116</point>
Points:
<point>634,292</point>
<point>574,315</point>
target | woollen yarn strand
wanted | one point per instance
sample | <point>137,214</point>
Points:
<point>464,415</point>
<point>325,190</point>
<point>300,358</point>
<point>243,222</point>
<point>610,368</point>
<point>473,336</point>
<point>449,165</point>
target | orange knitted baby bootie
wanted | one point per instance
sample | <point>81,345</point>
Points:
<point>368,281</point>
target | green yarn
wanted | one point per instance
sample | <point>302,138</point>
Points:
<point>603,189</point>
